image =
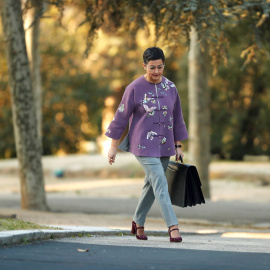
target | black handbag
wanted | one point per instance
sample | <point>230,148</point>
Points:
<point>184,184</point>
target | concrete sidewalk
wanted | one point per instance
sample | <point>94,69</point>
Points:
<point>86,177</point>
<point>215,239</point>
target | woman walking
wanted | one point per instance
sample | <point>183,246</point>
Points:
<point>151,106</point>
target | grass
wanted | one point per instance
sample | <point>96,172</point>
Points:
<point>8,224</point>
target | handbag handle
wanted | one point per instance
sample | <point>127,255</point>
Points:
<point>181,159</point>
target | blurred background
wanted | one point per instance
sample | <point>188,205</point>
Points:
<point>79,94</point>
<point>82,80</point>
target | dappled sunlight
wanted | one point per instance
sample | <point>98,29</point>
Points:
<point>253,235</point>
<point>61,153</point>
<point>124,188</point>
<point>106,144</point>
<point>207,231</point>
<point>231,190</point>
<point>107,117</point>
<point>82,185</point>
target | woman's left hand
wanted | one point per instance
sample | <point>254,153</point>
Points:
<point>178,153</point>
<point>112,154</point>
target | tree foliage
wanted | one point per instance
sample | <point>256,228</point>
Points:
<point>240,102</point>
<point>72,102</point>
<point>7,147</point>
<point>65,81</point>
<point>172,19</point>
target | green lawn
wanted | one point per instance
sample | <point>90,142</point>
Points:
<point>8,224</point>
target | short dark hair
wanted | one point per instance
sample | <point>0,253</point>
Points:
<point>153,53</point>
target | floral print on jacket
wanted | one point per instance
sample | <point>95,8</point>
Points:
<point>155,118</point>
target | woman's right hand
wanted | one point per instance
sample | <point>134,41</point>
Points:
<point>112,154</point>
<point>178,154</point>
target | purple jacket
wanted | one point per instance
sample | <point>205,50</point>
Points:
<point>154,115</point>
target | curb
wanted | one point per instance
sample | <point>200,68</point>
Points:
<point>27,236</point>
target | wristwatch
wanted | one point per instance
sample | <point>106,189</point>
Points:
<point>178,146</point>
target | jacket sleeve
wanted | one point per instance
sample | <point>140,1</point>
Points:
<point>179,127</point>
<point>122,115</point>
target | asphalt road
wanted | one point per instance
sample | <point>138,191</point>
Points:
<point>128,253</point>
<point>231,212</point>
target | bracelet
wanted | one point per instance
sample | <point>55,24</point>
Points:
<point>178,146</point>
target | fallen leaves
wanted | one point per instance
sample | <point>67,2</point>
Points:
<point>83,250</point>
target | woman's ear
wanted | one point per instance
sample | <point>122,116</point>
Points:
<point>144,66</point>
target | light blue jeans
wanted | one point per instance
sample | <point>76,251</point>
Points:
<point>155,187</point>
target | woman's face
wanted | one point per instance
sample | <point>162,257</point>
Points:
<point>154,70</point>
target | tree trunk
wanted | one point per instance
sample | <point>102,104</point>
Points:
<point>24,118</point>
<point>32,31</point>
<point>199,111</point>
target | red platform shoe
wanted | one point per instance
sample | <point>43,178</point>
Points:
<point>134,231</point>
<point>174,239</point>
